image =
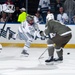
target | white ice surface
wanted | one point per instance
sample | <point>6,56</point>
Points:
<point>12,63</point>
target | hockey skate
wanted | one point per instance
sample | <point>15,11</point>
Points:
<point>60,59</point>
<point>24,53</point>
<point>0,48</point>
<point>49,61</point>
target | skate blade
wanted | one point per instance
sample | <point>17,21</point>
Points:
<point>23,55</point>
<point>49,63</point>
<point>58,62</point>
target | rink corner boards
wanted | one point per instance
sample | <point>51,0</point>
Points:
<point>33,45</point>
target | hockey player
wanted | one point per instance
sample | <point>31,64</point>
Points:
<point>59,36</point>
<point>28,30</point>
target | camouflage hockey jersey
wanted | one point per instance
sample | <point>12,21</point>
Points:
<point>54,26</point>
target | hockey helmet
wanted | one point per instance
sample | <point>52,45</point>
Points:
<point>30,17</point>
<point>50,17</point>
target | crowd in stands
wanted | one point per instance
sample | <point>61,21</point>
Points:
<point>13,17</point>
<point>63,11</point>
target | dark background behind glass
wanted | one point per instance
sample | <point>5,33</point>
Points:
<point>33,5</point>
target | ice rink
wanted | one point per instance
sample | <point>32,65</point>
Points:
<point>13,63</point>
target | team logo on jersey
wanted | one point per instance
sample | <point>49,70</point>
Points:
<point>45,3</point>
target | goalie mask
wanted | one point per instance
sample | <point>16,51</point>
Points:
<point>50,17</point>
<point>8,8</point>
<point>30,19</point>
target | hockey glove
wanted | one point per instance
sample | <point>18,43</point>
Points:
<point>41,33</point>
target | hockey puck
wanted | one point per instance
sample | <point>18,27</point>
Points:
<point>68,53</point>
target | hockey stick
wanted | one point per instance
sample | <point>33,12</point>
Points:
<point>42,53</point>
<point>4,25</point>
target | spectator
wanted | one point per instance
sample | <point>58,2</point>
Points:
<point>69,8</point>
<point>0,10</point>
<point>8,2</point>
<point>48,12</point>
<point>38,18</point>
<point>17,3</point>
<point>62,17</point>
<point>22,4</point>
<point>23,15</point>
<point>9,6</point>
<point>3,18</point>
<point>58,4</point>
<point>16,13</point>
<point>73,20</point>
<point>10,20</point>
<point>43,7</point>
<point>8,9</point>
